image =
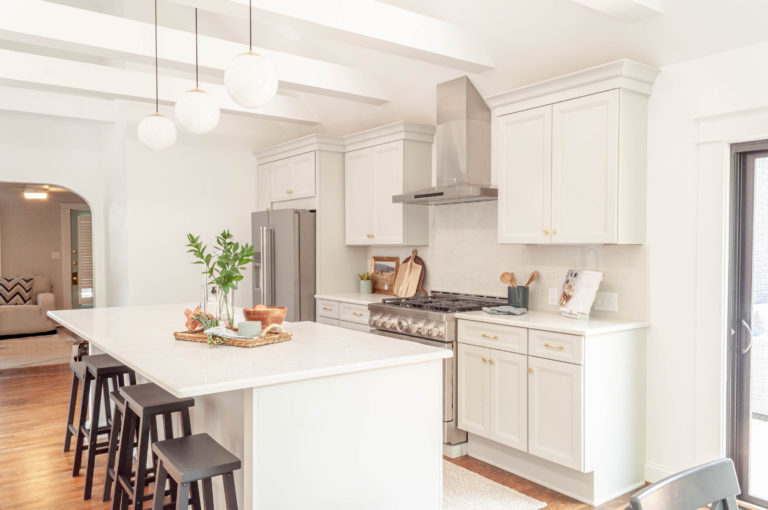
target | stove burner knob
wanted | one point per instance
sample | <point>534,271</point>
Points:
<point>437,331</point>
<point>392,322</point>
<point>372,320</point>
<point>416,328</point>
<point>381,320</point>
<point>426,329</point>
<point>403,325</point>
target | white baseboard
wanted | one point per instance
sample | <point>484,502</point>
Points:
<point>656,472</point>
<point>453,451</point>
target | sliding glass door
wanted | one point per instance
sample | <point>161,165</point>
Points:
<point>749,321</point>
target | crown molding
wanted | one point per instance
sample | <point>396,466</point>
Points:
<point>623,73</point>
<point>390,133</point>
<point>301,145</point>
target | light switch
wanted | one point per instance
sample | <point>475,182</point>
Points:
<point>552,297</point>
<point>55,255</point>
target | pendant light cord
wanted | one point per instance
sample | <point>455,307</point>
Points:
<point>157,86</point>
<point>197,77</point>
<point>250,26</point>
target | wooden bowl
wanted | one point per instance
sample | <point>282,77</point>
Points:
<point>268,315</point>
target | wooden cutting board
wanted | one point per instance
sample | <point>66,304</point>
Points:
<point>407,280</point>
<point>419,261</point>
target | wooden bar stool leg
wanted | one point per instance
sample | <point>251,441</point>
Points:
<point>93,439</point>
<point>141,467</point>
<point>207,494</point>
<point>71,412</point>
<point>230,496</point>
<point>182,497</point>
<point>85,395</point>
<point>168,434</point>
<point>160,478</point>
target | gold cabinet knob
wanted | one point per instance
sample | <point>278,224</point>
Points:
<point>553,231</point>
<point>490,361</point>
<point>530,370</point>
<point>545,231</point>
<point>484,360</point>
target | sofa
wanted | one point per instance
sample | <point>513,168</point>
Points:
<point>30,318</point>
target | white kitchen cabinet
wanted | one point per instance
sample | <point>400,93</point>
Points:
<point>328,321</point>
<point>573,172</point>
<point>474,400</point>
<point>509,398</point>
<point>293,178</point>
<point>379,164</point>
<point>263,191</point>
<point>556,412</point>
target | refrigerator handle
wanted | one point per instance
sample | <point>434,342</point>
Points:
<point>267,273</point>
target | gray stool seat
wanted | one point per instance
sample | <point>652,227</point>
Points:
<point>187,460</point>
<point>104,364</point>
<point>195,457</point>
<point>152,399</point>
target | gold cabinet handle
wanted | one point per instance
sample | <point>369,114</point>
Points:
<point>357,314</point>
<point>327,308</point>
<point>545,231</point>
<point>289,192</point>
<point>530,370</point>
<point>484,360</point>
<point>492,337</point>
<point>560,347</point>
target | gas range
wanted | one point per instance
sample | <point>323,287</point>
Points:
<point>430,317</point>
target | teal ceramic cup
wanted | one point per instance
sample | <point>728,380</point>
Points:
<point>517,297</point>
<point>250,328</point>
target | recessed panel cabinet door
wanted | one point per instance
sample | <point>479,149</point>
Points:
<point>303,175</point>
<point>263,191</point>
<point>509,399</point>
<point>556,412</point>
<point>474,390</point>
<point>387,180</point>
<point>357,196</point>
<point>524,169</point>
<point>585,169</point>
<point>281,180</point>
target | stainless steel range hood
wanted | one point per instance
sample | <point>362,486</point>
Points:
<point>463,138</point>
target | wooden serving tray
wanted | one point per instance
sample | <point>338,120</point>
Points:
<point>268,336</point>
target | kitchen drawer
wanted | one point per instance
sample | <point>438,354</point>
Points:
<point>355,326</point>
<point>354,313</point>
<point>556,346</point>
<point>327,308</point>
<point>495,336</point>
<point>326,320</point>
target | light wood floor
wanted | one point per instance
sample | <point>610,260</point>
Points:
<point>36,474</point>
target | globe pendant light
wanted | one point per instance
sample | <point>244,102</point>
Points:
<point>250,78</point>
<point>156,131</point>
<point>196,110</point>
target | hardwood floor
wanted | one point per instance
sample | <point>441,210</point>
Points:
<point>35,474</point>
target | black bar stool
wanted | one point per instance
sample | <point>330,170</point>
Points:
<point>102,369</point>
<point>186,460</point>
<point>78,376</point>
<point>143,404</point>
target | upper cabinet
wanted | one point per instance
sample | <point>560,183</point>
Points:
<point>573,171</point>
<point>381,163</point>
<point>293,178</point>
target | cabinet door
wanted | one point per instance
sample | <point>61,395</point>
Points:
<point>387,180</point>
<point>509,399</point>
<point>303,175</point>
<point>263,191</point>
<point>280,180</point>
<point>474,408</point>
<point>556,412</point>
<point>328,321</point>
<point>524,169</point>
<point>357,196</point>
<point>585,166</point>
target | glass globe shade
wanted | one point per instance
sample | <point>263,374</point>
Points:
<point>157,132</point>
<point>197,111</point>
<point>251,80</point>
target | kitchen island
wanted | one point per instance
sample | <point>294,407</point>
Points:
<point>333,418</point>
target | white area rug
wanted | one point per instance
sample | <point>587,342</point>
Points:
<point>33,351</point>
<point>465,490</point>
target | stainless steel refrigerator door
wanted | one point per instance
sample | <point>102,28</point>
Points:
<point>263,265</point>
<point>307,261</point>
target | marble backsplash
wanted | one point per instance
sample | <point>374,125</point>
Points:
<point>464,256</point>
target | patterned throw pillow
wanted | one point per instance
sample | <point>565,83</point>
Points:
<point>16,291</point>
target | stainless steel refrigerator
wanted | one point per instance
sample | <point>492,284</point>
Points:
<point>284,262</point>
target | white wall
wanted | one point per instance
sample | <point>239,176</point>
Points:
<point>687,233</point>
<point>143,202</point>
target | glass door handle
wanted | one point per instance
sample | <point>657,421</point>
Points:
<point>749,331</point>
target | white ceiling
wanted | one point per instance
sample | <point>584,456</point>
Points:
<point>527,40</point>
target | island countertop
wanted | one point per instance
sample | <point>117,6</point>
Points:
<point>142,338</point>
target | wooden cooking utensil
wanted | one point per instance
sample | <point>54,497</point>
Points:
<point>533,276</point>
<point>413,277</point>
<point>507,279</point>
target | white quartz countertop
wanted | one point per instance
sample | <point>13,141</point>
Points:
<point>552,321</point>
<point>353,297</point>
<point>142,338</point>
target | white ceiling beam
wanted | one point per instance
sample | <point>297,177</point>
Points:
<point>60,26</point>
<point>14,99</point>
<point>368,23</point>
<point>48,73</point>
<point>626,10</point>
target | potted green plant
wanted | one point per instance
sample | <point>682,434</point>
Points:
<point>222,266</point>
<point>365,283</point>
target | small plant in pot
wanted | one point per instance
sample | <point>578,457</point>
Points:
<point>365,283</point>
<point>223,266</point>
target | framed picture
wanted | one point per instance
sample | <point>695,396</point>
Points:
<point>383,272</point>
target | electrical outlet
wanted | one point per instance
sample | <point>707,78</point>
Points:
<point>553,297</point>
<point>55,255</point>
<point>607,302</point>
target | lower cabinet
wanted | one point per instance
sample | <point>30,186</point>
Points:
<point>346,315</point>
<point>492,394</point>
<point>556,412</point>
